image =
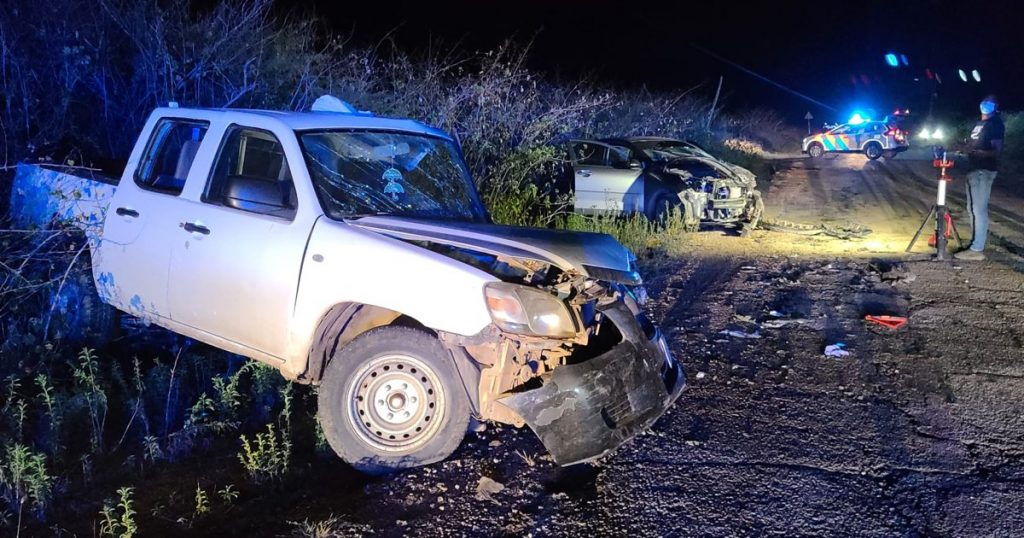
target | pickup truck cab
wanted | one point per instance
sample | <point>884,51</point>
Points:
<point>353,252</point>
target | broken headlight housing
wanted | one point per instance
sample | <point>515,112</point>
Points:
<point>525,310</point>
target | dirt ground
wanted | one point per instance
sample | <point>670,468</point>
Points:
<point>918,431</point>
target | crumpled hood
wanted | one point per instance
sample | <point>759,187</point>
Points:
<point>738,175</point>
<point>596,255</point>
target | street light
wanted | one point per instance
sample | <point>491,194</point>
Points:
<point>963,75</point>
<point>976,75</point>
<point>892,60</point>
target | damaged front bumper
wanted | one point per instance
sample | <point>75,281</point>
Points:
<point>584,411</point>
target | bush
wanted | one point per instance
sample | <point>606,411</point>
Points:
<point>266,456</point>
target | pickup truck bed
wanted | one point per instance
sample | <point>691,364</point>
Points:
<point>78,197</point>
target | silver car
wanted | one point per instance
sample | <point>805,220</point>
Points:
<point>655,176</point>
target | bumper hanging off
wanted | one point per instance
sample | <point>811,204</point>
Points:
<point>584,411</point>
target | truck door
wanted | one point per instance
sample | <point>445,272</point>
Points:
<point>604,181</point>
<point>238,253</point>
<point>131,263</point>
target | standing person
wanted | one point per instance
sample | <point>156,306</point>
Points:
<point>984,147</point>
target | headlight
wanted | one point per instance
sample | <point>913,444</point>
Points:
<point>924,134</point>
<point>525,310</point>
<point>937,134</point>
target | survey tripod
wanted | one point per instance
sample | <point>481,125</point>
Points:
<point>939,210</point>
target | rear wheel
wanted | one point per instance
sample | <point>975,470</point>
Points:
<point>873,150</point>
<point>391,400</point>
<point>815,150</point>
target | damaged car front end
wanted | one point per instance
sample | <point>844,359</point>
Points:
<point>712,193</point>
<point>570,353</point>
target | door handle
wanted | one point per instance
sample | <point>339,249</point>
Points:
<point>127,212</point>
<point>192,227</point>
<point>584,173</point>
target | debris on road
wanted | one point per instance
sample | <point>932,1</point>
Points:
<point>836,350</point>
<point>849,230</point>
<point>892,272</point>
<point>780,323</point>
<point>741,334</point>
<point>891,322</point>
<point>487,487</point>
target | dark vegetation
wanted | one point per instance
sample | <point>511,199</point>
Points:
<point>83,430</point>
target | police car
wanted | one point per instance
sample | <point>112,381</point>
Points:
<point>873,138</point>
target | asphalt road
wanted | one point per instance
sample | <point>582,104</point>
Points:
<point>918,432</point>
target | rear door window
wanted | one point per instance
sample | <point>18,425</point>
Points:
<point>168,158</point>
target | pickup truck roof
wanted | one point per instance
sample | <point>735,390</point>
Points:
<point>302,121</point>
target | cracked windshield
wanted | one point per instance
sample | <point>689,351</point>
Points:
<point>377,173</point>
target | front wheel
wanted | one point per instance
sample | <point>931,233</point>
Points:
<point>666,206</point>
<point>873,151</point>
<point>392,399</point>
<point>816,151</point>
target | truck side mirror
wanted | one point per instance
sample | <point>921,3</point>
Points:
<point>634,164</point>
<point>258,196</point>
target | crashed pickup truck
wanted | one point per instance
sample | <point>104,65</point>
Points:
<point>660,176</point>
<point>353,252</point>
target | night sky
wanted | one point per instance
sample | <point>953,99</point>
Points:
<point>815,48</point>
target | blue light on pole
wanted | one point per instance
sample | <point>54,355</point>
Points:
<point>892,60</point>
<point>903,58</point>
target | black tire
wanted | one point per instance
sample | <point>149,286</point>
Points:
<point>665,204</point>
<point>890,154</point>
<point>815,150</point>
<point>380,376</point>
<point>873,150</point>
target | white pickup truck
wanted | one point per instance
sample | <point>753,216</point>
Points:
<point>353,252</point>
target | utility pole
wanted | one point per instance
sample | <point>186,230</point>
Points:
<point>711,113</point>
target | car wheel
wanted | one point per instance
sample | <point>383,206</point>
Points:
<point>392,399</point>
<point>666,205</point>
<point>890,154</point>
<point>873,150</point>
<point>815,150</point>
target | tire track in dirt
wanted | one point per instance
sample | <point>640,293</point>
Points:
<point>914,206</point>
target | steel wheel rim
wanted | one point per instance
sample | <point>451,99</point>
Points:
<point>396,403</point>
